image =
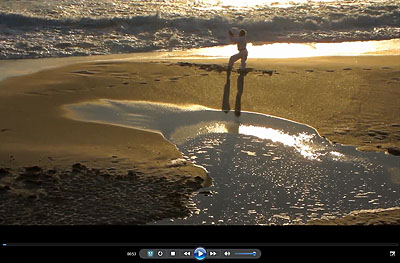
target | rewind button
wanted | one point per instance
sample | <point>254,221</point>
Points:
<point>187,253</point>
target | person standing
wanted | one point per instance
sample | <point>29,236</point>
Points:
<point>241,42</point>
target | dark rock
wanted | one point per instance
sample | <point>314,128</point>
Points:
<point>51,172</point>
<point>33,169</point>
<point>198,179</point>
<point>4,188</point>
<point>29,176</point>
<point>97,172</point>
<point>32,196</point>
<point>207,193</point>
<point>78,167</point>
<point>33,182</point>
<point>394,151</point>
<point>132,174</point>
<point>3,172</point>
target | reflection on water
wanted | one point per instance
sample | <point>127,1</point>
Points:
<point>265,170</point>
<point>295,50</point>
<point>300,141</point>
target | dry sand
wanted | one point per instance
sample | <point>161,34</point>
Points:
<point>349,100</point>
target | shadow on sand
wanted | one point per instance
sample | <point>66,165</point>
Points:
<point>240,87</point>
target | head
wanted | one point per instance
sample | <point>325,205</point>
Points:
<point>242,32</point>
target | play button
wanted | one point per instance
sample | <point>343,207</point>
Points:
<point>200,253</point>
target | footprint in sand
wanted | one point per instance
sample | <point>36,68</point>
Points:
<point>35,93</point>
<point>309,70</point>
<point>183,64</point>
<point>83,73</point>
<point>174,79</point>
<point>125,83</point>
<point>330,70</point>
<point>157,80</point>
<point>366,69</point>
<point>103,63</point>
<point>204,74</point>
<point>120,75</point>
<point>4,130</point>
<point>143,83</point>
<point>347,69</point>
<point>269,72</point>
<point>385,67</point>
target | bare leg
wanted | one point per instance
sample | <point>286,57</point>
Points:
<point>243,59</point>
<point>233,59</point>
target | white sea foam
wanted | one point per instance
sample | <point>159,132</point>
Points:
<point>76,27</point>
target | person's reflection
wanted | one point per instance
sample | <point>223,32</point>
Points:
<point>240,86</point>
<point>233,126</point>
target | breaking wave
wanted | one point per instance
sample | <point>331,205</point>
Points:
<point>25,35</point>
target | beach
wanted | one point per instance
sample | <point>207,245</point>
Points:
<point>348,100</point>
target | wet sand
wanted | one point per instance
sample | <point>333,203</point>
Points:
<point>349,100</point>
<point>375,217</point>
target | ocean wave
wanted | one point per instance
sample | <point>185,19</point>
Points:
<point>105,35</point>
<point>194,24</point>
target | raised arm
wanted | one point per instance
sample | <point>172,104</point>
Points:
<point>232,37</point>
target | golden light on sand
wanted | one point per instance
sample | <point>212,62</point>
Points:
<point>294,50</point>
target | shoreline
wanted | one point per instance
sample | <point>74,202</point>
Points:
<point>380,47</point>
<point>38,134</point>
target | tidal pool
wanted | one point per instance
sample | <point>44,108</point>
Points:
<point>265,170</point>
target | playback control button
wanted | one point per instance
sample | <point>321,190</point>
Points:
<point>214,253</point>
<point>199,253</point>
<point>186,253</point>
